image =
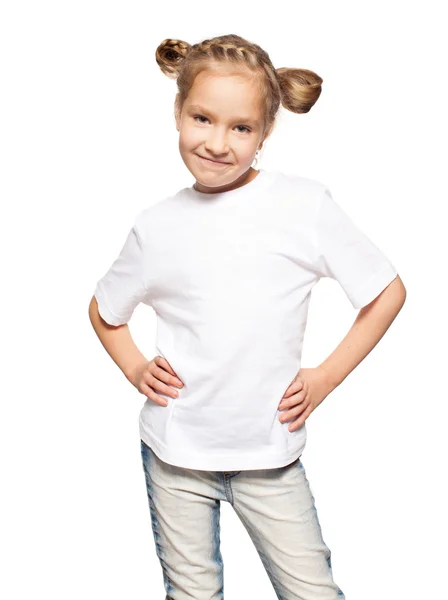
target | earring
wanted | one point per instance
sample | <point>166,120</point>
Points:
<point>256,157</point>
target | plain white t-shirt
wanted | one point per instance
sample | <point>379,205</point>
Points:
<point>229,276</point>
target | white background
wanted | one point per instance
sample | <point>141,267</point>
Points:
<point>88,139</point>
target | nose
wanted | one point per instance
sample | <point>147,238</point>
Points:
<point>217,144</point>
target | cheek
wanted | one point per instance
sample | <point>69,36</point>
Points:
<point>247,152</point>
<point>189,139</point>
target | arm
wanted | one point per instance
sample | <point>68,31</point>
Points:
<point>117,341</point>
<point>369,327</point>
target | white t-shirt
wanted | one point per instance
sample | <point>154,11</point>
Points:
<point>229,277</point>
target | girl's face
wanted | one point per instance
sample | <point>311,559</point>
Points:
<point>221,128</point>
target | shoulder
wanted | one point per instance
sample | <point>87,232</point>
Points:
<point>299,193</point>
<point>305,186</point>
<point>157,215</point>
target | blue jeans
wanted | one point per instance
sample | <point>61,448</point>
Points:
<point>277,509</point>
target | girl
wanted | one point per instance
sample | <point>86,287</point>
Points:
<point>228,265</point>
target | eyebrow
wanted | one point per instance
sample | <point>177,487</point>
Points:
<point>201,109</point>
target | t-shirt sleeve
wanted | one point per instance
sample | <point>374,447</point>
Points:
<point>346,254</point>
<point>123,287</point>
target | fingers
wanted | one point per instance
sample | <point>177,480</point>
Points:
<point>301,420</point>
<point>161,367</point>
<point>295,393</point>
<point>160,360</point>
<point>156,383</point>
<point>299,412</point>
<point>160,377</point>
<point>297,385</point>
<point>150,393</point>
<point>288,406</point>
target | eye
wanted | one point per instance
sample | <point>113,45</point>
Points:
<point>202,117</point>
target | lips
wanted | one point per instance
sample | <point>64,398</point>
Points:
<point>218,162</point>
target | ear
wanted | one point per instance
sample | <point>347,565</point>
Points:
<point>267,133</point>
<point>177,113</point>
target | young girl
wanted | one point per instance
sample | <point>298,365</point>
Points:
<point>228,266</point>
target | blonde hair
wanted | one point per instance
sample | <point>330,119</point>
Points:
<point>296,90</point>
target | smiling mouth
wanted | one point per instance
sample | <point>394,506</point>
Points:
<point>216,162</point>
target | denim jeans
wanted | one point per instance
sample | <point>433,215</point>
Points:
<point>277,509</point>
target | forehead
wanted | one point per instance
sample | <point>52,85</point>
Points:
<point>232,97</point>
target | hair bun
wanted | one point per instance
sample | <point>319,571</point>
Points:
<point>300,88</point>
<point>170,54</point>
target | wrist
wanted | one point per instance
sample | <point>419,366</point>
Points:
<point>129,371</point>
<point>331,380</point>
